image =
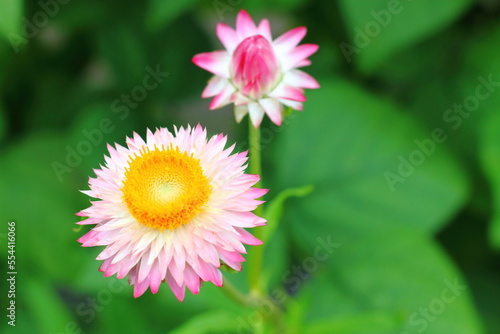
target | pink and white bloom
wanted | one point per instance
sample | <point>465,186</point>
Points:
<point>255,72</point>
<point>172,208</point>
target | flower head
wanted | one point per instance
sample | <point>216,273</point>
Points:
<point>172,208</point>
<point>255,72</point>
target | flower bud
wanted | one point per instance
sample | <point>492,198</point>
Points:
<point>254,66</point>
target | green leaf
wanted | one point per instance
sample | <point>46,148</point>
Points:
<point>123,49</point>
<point>478,124</point>
<point>92,128</point>
<point>12,11</point>
<point>371,322</point>
<point>116,308</point>
<point>478,88</point>
<point>379,269</point>
<point>380,28</point>
<point>371,163</point>
<point>324,307</point>
<point>161,13</point>
<point>3,122</point>
<point>274,209</point>
<point>276,259</point>
<point>83,14</point>
<point>219,321</point>
<point>344,144</point>
<point>29,179</point>
<point>432,100</point>
<point>490,158</point>
<point>276,5</point>
<point>49,312</point>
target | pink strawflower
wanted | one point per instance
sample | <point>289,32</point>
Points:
<point>172,208</point>
<point>256,73</point>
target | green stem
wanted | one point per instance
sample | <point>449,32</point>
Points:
<point>254,151</point>
<point>257,291</point>
<point>255,261</point>
<point>235,294</point>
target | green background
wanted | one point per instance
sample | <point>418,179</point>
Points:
<point>411,213</point>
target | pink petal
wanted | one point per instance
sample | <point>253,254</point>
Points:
<point>89,239</point>
<point>217,278</point>
<point>256,113</point>
<point>305,62</point>
<point>232,256</point>
<point>214,87</point>
<point>192,280</point>
<point>300,79</point>
<point>232,259</point>
<point>288,93</point>
<point>227,36</point>
<point>164,259</point>
<point>223,98</point>
<point>82,214</point>
<point>290,39</point>
<point>242,183</point>
<point>265,30</point>
<point>106,267</point>
<point>292,104</point>
<point>140,288</point>
<point>155,278</point>
<point>273,109</point>
<point>254,66</point>
<point>127,265</point>
<point>136,142</point>
<point>248,238</point>
<point>122,254</point>
<point>245,27</point>
<point>240,111</point>
<point>178,291</point>
<point>210,273</point>
<point>245,219</point>
<point>144,269</point>
<point>112,249</point>
<point>216,62</point>
<point>208,253</point>
<point>232,241</point>
<point>177,271</point>
<point>300,53</point>
<point>240,99</point>
<point>254,193</point>
<point>198,266</point>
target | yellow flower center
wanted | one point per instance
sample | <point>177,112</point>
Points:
<point>165,189</point>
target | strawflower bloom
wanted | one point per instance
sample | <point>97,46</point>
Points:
<point>255,72</point>
<point>172,208</point>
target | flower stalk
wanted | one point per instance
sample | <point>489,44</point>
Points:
<point>255,270</point>
<point>236,295</point>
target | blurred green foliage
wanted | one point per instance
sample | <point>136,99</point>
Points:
<point>401,145</point>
